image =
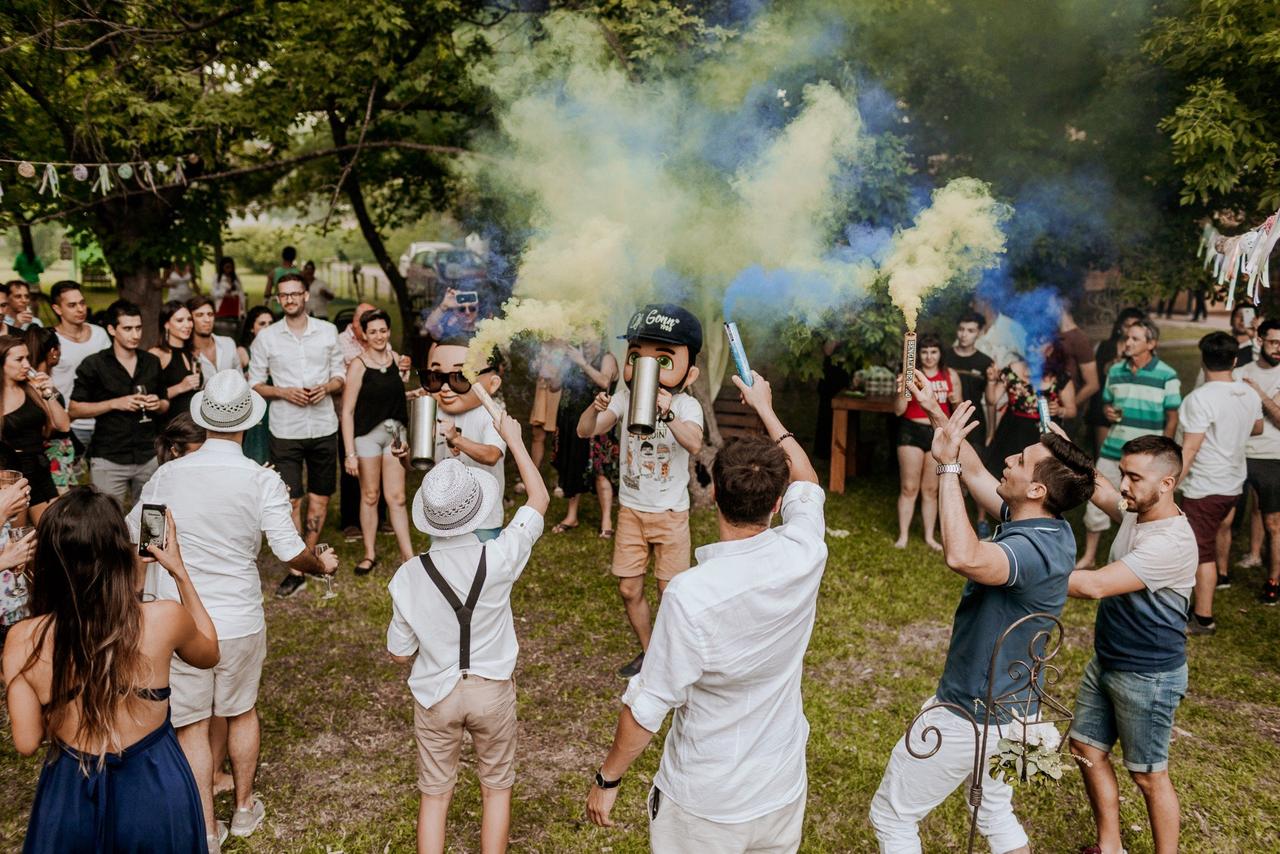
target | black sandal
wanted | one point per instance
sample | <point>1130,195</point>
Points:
<point>361,569</point>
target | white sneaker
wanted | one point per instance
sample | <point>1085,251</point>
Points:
<point>245,822</point>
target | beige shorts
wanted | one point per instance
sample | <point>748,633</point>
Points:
<point>545,405</point>
<point>673,829</point>
<point>227,689</point>
<point>486,709</point>
<point>666,533</point>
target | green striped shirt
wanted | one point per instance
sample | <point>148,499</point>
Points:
<point>1143,397</point>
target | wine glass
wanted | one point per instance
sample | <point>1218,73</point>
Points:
<point>16,533</point>
<point>329,593</point>
<point>141,389</point>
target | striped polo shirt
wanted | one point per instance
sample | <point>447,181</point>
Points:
<point>1143,397</point>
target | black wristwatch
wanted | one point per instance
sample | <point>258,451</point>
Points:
<point>602,783</point>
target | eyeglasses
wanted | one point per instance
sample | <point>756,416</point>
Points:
<point>433,381</point>
<point>291,295</point>
<point>468,309</point>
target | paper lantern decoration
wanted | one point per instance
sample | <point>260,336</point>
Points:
<point>125,171</point>
<point>26,170</point>
<point>80,172</point>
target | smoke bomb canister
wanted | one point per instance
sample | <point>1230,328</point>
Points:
<point>642,415</point>
<point>738,352</point>
<point>489,404</point>
<point>908,363</point>
<point>422,432</point>
<point>1042,405</point>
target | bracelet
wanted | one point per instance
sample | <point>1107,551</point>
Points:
<point>783,438</point>
<point>351,455</point>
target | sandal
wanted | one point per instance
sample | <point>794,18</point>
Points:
<point>607,534</point>
<point>362,569</point>
<point>562,528</point>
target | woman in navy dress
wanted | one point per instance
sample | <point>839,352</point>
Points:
<point>89,675</point>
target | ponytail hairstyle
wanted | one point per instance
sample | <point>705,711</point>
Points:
<point>85,590</point>
<point>179,437</point>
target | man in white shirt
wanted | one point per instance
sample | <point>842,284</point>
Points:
<point>222,504</point>
<point>216,352</point>
<point>1138,675</point>
<point>727,655</point>
<point>1003,338</point>
<point>1217,419</point>
<point>1262,453</point>
<point>451,618</point>
<point>653,480</point>
<point>78,339</point>
<point>300,355</point>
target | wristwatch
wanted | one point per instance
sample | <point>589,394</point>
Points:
<point>602,783</point>
<point>949,468</point>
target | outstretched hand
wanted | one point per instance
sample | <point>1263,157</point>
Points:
<point>928,400</point>
<point>759,395</point>
<point>950,435</point>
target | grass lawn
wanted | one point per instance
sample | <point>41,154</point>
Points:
<point>338,761</point>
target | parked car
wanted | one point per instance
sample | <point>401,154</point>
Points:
<point>430,268</point>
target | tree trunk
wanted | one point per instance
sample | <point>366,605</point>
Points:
<point>369,230</point>
<point>28,242</point>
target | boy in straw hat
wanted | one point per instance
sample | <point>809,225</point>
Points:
<point>451,619</point>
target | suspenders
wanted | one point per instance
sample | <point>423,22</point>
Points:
<point>460,610</point>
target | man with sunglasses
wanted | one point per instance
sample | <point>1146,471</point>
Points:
<point>452,319</point>
<point>301,356</point>
<point>465,430</point>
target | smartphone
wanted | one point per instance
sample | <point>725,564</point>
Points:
<point>153,528</point>
<point>1246,316</point>
<point>467,297</point>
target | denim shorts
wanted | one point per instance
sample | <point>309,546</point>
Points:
<point>1136,708</point>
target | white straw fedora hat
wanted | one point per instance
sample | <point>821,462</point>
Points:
<point>226,404</point>
<point>454,499</point>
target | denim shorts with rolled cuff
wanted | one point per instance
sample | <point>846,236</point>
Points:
<point>1134,708</point>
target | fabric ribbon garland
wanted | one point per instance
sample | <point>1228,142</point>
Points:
<point>103,182</point>
<point>50,181</point>
<point>1247,255</point>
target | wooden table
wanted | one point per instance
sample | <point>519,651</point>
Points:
<point>844,441</point>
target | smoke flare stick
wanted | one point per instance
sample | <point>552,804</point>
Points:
<point>490,405</point>
<point>908,363</point>
<point>738,352</point>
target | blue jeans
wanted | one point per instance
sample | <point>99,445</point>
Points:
<point>1135,708</point>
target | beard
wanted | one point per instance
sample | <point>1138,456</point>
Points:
<point>1269,359</point>
<point>1137,505</point>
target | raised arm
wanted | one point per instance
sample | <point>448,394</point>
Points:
<point>981,485</point>
<point>759,397</point>
<point>535,487</point>
<point>194,637</point>
<point>983,562</point>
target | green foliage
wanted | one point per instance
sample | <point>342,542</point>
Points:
<point>1226,56</point>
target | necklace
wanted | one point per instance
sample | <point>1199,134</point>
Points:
<point>382,369</point>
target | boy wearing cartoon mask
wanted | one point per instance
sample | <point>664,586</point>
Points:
<point>654,501</point>
<point>464,429</point>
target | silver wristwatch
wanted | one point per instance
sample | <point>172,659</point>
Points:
<point>949,468</point>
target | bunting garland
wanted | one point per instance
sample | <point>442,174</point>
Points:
<point>151,176</point>
<point>1246,255</point>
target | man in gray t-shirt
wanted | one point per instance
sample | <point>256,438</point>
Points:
<point>1138,675</point>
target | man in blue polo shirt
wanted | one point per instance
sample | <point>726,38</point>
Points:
<point>1140,398</point>
<point>1023,570</point>
<point>1138,674</point>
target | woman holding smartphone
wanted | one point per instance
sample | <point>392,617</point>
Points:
<point>30,411</point>
<point>89,675</point>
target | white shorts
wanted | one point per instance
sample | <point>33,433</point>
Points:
<point>227,689</point>
<point>377,442</point>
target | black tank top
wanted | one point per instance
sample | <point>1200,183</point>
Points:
<point>177,370</point>
<point>381,398</point>
<point>24,427</point>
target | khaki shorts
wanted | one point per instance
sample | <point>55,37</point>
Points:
<point>673,829</point>
<point>546,403</point>
<point>228,689</point>
<point>486,708</point>
<point>667,533</point>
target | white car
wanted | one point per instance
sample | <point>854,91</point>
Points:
<point>418,248</point>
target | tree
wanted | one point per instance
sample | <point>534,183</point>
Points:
<point>1225,55</point>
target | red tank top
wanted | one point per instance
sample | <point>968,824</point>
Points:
<point>941,383</point>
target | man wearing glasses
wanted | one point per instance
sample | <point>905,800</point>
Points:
<point>301,356</point>
<point>454,317</point>
<point>1262,453</point>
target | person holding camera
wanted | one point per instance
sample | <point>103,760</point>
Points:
<point>223,503</point>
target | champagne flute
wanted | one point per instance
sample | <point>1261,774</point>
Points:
<point>16,533</point>
<point>329,593</point>
<point>141,389</point>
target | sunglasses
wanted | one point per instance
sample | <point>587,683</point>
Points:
<point>433,381</point>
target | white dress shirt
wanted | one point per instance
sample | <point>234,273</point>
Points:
<point>224,350</point>
<point>727,654</point>
<point>298,362</point>
<point>222,503</point>
<point>423,621</point>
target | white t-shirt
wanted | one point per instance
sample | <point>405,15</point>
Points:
<point>73,353</point>
<point>1162,553</point>
<point>654,469</point>
<point>477,425</point>
<point>1225,413</point>
<point>1266,446</point>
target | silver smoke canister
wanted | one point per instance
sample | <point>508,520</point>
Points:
<point>422,432</point>
<point>642,416</point>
